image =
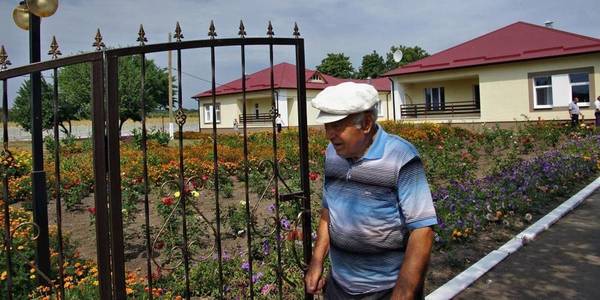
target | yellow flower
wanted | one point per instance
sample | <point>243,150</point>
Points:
<point>3,276</point>
<point>129,291</point>
<point>95,282</point>
<point>32,276</point>
<point>32,270</point>
<point>195,194</point>
<point>20,247</point>
<point>177,194</point>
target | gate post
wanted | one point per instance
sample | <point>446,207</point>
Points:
<point>117,247</point>
<point>100,197</point>
<point>38,175</point>
<point>303,139</point>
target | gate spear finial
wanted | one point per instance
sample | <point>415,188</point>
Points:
<point>270,32</point>
<point>99,44</point>
<point>142,36</point>
<point>178,34</point>
<point>4,62</point>
<point>242,32</point>
<point>54,51</point>
<point>296,31</point>
<point>211,30</point>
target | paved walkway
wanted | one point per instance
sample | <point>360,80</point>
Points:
<point>561,263</point>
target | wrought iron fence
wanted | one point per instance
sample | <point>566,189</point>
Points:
<point>190,193</point>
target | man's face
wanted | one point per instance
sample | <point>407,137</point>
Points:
<point>348,140</point>
<point>575,99</point>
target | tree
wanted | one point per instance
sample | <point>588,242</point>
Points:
<point>75,88</point>
<point>156,88</point>
<point>409,54</point>
<point>337,65</point>
<point>372,66</point>
<point>21,110</point>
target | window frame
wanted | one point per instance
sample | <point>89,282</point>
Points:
<point>536,87</point>
<point>560,106</point>
<point>586,83</point>
<point>208,112</point>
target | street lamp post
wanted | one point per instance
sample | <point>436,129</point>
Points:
<point>27,15</point>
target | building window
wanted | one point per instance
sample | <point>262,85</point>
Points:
<point>542,91</point>
<point>208,112</point>
<point>558,88</point>
<point>580,86</point>
<point>435,98</point>
<point>256,111</point>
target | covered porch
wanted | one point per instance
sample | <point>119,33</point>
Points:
<point>437,98</point>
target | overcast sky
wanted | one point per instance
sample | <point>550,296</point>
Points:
<point>352,27</point>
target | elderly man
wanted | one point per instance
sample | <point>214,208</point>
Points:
<point>377,209</point>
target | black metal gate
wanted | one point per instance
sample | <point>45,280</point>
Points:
<point>186,190</point>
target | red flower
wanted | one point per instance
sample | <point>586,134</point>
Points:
<point>313,176</point>
<point>92,210</point>
<point>204,177</point>
<point>159,245</point>
<point>168,201</point>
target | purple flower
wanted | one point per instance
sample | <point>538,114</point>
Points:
<point>256,277</point>
<point>285,224</point>
<point>245,266</point>
<point>271,208</point>
<point>266,248</point>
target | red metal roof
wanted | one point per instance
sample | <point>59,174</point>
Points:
<point>515,42</point>
<point>284,77</point>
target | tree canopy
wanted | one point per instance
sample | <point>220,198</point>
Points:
<point>372,66</point>
<point>21,111</point>
<point>337,65</point>
<point>75,94</point>
<point>409,54</point>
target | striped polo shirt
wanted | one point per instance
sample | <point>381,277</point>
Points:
<point>373,203</point>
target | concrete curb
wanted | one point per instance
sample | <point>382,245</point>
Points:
<point>468,276</point>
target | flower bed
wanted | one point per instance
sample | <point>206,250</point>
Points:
<point>494,176</point>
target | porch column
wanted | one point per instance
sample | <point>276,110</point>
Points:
<point>399,95</point>
<point>282,106</point>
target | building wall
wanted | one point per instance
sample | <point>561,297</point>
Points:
<point>231,107</point>
<point>504,88</point>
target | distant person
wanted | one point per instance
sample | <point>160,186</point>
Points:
<point>574,112</point>
<point>597,111</point>
<point>279,123</point>
<point>236,126</point>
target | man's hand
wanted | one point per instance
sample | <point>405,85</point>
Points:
<point>313,279</point>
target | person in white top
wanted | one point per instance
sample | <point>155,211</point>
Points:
<point>279,123</point>
<point>574,112</point>
<point>597,111</point>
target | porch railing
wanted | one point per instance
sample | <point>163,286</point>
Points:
<point>423,110</point>
<point>256,118</point>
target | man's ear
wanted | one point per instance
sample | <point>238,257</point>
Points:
<point>368,123</point>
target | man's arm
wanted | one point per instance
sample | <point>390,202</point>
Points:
<point>414,265</point>
<point>313,278</point>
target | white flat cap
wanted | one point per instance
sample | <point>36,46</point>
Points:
<point>337,102</point>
